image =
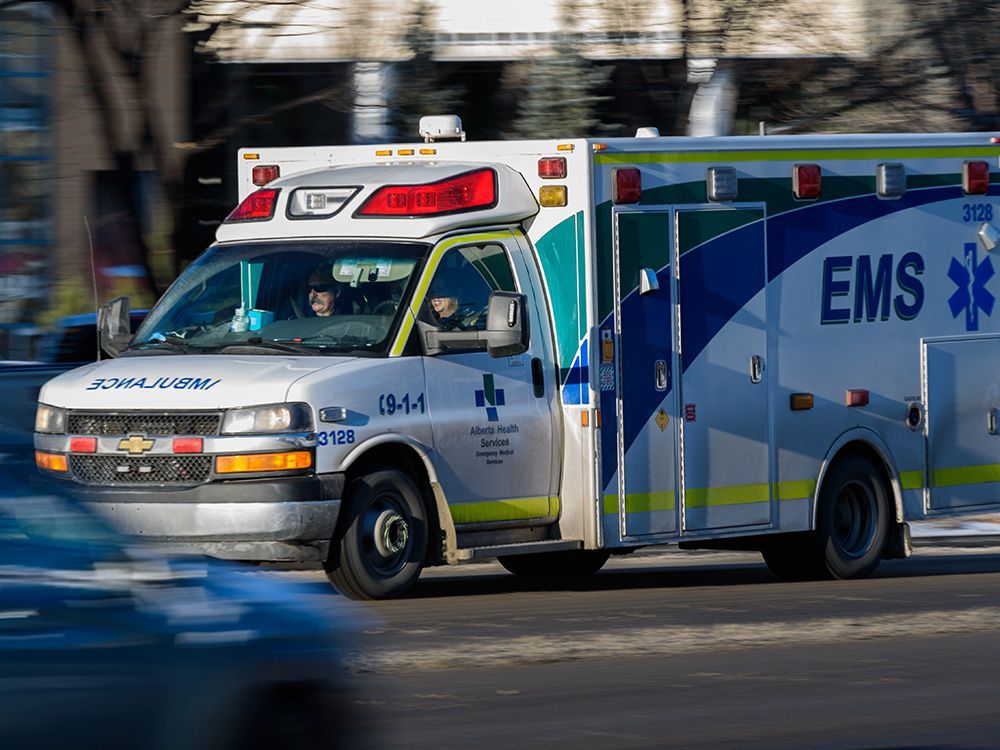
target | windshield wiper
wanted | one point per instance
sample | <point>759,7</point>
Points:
<point>280,346</point>
<point>173,343</point>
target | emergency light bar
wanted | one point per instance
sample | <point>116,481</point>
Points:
<point>466,192</point>
<point>258,206</point>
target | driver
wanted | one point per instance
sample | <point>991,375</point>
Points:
<point>324,292</point>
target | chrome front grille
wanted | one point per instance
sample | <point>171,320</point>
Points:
<point>145,423</point>
<point>105,469</point>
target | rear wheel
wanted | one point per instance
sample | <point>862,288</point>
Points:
<point>382,549</point>
<point>853,522</point>
<point>852,527</point>
<point>577,563</point>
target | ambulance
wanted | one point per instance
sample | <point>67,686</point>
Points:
<point>548,352</point>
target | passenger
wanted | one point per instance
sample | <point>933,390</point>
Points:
<point>444,307</point>
<point>324,292</point>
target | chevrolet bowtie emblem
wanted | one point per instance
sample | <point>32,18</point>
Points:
<point>135,444</point>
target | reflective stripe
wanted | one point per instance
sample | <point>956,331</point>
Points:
<point>734,495</point>
<point>425,280</point>
<point>690,157</point>
<point>504,510</point>
<point>911,480</point>
<point>965,475</point>
<point>795,490</point>
<point>645,502</point>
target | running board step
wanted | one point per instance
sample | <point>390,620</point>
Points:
<point>525,548</point>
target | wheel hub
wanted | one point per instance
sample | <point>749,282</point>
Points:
<point>392,533</point>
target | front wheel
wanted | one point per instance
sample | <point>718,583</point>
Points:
<point>382,550</point>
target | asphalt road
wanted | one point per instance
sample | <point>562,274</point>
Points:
<point>691,650</point>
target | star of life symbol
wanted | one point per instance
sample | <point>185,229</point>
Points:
<point>972,294</point>
<point>490,397</point>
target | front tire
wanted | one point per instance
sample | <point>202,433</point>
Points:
<point>382,550</point>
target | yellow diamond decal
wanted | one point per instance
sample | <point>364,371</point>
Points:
<point>662,419</point>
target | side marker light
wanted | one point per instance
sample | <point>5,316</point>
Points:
<point>856,397</point>
<point>801,401</point>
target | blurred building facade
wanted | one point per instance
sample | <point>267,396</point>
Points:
<point>119,131</point>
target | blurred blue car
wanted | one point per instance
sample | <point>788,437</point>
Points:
<point>105,645</point>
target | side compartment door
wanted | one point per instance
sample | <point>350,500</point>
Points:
<point>491,419</point>
<point>724,392</point>
<point>646,396</point>
<point>962,393</point>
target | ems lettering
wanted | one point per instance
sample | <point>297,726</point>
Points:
<point>869,289</point>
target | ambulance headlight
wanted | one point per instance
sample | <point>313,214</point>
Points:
<point>50,419</point>
<point>268,419</point>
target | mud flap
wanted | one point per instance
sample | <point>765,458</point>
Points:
<point>899,545</point>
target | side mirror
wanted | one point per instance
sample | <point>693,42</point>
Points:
<point>113,329</point>
<point>507,330</point>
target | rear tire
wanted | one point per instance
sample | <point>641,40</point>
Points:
<point>577,563</point>
<point>853,522</point>
<point>382,549</point>
<point>852,528</point>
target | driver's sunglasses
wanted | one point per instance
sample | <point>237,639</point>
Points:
<point>321,288</point>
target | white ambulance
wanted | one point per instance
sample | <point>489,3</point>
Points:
<point>547,352</point>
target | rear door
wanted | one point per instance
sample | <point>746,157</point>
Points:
<point>723,381</point>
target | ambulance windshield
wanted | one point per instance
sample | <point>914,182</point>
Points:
<point>285,297</point>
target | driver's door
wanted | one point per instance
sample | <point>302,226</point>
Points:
<point>492,426</point>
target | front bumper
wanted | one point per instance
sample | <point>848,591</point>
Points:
<point>287,519</point>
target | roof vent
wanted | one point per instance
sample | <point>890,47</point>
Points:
<point>647,132</point>
<point>441,128</point>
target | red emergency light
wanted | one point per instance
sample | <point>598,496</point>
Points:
<point>552,167</point>
<point>626,185</point>
<point>975,177</point>
<point>265,173</point>
<point>258,206</point>
<point>465,192</point>
<point>807,181</point>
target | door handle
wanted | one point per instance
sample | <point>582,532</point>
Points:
<point>756,368</point>
<point>537,377</point>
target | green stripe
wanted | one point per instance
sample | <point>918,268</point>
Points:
<point>734,495</point>
<point>644,502</point>
<point>965,475</point>
<point>519,509</point>
<point>875,152</point>
<point>641,502</point>
<point>911,480</point>
<point>795,490</point>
